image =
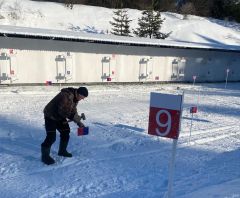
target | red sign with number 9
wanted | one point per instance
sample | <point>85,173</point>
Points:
<point>164,117</point>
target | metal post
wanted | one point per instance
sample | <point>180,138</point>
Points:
<point>194,79</point>
<point>171,168</point>
<point>226,78</point>
<point>82,144</point>
<point>190,130</point>
<point>65,70</point>
<point>172,162</point>
<point>109,70</point>
<point>146,70</point>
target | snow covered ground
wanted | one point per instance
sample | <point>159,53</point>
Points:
<point>118,158</point>
<point>92,19</point>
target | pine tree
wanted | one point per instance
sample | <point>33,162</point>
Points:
<point>150,25</point>
<point>164,5</point>
<point>70,3</point>
<point>120,23</point>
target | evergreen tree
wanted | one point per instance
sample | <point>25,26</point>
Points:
<point>120,23</point>
<point>69,3</point>
<point>164,5</point>
<point>226,9</point>
<point>195,7</point>
<point>150,25</point>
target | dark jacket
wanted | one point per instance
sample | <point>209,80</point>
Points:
<point>63,105</point>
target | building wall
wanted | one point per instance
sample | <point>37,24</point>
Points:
<point>25,60</point>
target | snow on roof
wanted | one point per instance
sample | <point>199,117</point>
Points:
<point>15,31</point>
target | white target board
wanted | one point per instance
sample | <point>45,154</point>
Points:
<point>165,115</point>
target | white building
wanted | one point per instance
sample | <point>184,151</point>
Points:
<point>29,55</point>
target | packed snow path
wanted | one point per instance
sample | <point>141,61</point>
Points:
<point>118,158</point>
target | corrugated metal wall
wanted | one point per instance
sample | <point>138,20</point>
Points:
<point>25,60</point>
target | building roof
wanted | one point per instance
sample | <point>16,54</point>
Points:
<point>47,34</point>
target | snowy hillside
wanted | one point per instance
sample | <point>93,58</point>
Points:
<point>96,20</point>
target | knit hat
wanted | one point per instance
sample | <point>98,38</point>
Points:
<point>82,91</point>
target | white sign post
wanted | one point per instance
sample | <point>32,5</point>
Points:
<point>81,131</point>
<point>194,79</point>
<point>165,121</point>
<point>227,71</point>
<point>192,111</point>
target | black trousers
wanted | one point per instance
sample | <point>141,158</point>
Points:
<point>51,126</point>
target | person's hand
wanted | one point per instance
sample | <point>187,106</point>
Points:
<point>83,116</point>
<point>80,124</point>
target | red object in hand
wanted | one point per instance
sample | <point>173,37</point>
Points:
<point>48,83</point>
<point>82,131</point>
<point>193,110</point>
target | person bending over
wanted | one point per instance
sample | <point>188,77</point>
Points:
<point>57,112</point>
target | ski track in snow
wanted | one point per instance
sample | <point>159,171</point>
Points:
<point>118,158</point>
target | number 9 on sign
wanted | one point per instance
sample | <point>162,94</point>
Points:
<point>167,125</point>
<point>165,115</point>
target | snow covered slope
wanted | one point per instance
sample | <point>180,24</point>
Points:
<point>118,159</point>
<point>96,20</point>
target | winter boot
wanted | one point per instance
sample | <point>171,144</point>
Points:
<point>63,149</point>
<point>46,158</point>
